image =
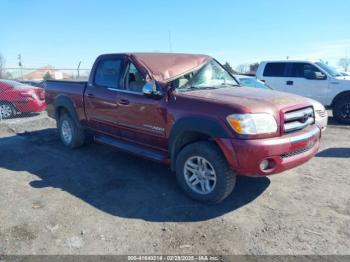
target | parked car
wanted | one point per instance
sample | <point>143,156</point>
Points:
<point>321,115</point>
<point>315,80</point>
<point>16,98</point>
<point>189,112</point>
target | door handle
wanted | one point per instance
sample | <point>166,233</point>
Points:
<point>289,83</point>
<point>262,80</point>
<point>90,95</point>
<point>123,102</point>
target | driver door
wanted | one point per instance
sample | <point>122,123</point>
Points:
<point>307,80</point>
<point>141,119</point>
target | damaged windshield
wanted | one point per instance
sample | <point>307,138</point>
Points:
<point>210,76</point>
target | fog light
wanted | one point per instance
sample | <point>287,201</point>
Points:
<point>264,165</point>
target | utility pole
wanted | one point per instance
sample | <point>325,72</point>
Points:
<point>20,64</point>
<point>78,69</point>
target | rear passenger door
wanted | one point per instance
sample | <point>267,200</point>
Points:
<point>101,96</point>
<point>274,75</point>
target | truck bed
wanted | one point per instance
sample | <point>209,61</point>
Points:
<point>72,89</point>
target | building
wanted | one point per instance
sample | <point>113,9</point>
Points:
<point>39,73</point>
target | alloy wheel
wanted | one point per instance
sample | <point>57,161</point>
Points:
<point>66,131</point>
<point>200,175</point>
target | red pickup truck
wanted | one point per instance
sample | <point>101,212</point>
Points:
<point>189,112</point>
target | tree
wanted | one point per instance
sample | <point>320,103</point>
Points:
<point>253,68</point>
<point>228,67</point>
<point>243,68</point>
<point>344,63</point>
<point>47,76</point>
<point>2,66</point>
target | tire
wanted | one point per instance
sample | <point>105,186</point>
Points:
<point>341,110</point>
<point>71,134</point>
<point>7,110</point>
<point>217,190</point>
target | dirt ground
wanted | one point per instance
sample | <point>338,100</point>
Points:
<point>99,201</point>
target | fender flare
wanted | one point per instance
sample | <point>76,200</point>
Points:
<point>203,125</point>
<point>67,103</point>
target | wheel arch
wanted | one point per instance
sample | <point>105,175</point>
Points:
<point>339,96</point>
<point>191,129</point>
<point>63,104</point>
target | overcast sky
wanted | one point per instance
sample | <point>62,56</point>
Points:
<point>64,32</point>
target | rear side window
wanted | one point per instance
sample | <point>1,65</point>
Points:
<point>108,73</point>
<point>275,69</point>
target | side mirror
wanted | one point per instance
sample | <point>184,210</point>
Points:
<point>311,75</point>
<point>320,76</point>
<point>150,89</point>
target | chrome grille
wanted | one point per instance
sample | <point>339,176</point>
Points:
<point>298,119</point>
<point>298,151</point>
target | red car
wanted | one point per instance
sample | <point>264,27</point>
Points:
<point>16,98</point>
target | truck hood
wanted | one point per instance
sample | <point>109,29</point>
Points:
<point>253,100</point>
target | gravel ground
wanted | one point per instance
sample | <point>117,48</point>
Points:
<point>99,201</point>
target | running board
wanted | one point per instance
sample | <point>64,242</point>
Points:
<point>134,149</point>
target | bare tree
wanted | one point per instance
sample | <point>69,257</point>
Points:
<point>243,68</point>
<point>344,63</point>
<point>253,68</point>
<point>2,66</point>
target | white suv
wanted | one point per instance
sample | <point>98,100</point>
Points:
<point>315,80</point>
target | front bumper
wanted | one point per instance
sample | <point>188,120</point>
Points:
<point>285,152</point>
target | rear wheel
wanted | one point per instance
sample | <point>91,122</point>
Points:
<point>203,173</point>
<point>341,110</point>
<point>70,133</point>
<point>7,110</point>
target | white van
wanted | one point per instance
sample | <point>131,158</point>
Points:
<point>315,80</point>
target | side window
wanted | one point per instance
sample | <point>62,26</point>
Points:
<point>135,80</point>
<point>304,70</point>
<point>108,73</point>
<point>311,71</point>
<point>275,69</point>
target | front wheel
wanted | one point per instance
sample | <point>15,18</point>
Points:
<point>341,110</point>
<point>203,173</point>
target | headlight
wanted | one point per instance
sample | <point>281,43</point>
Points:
<point>252,124</point>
